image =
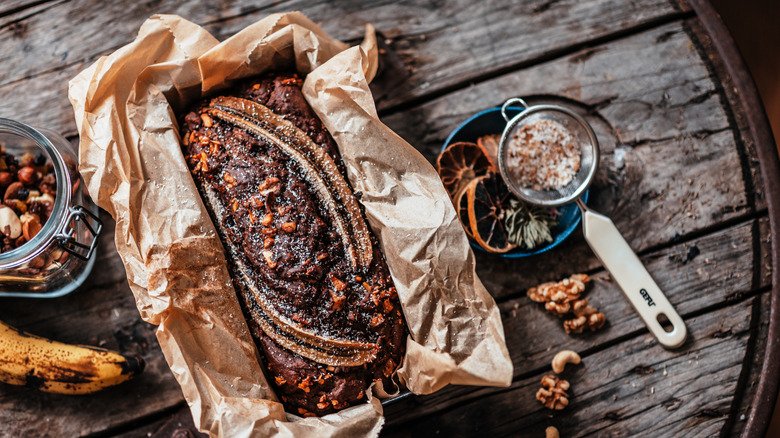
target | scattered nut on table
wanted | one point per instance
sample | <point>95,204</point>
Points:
<point>551,432</point>
<point>562,358</point>
<point>563,298</point>
<point>591,322</point>
<point>564,291</point>
<point>553,394</point>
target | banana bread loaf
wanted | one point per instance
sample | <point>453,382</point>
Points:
<point>311,279</point>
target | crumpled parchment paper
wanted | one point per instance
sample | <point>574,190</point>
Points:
<point>125,106</point>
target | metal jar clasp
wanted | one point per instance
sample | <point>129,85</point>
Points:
<point>68,237</point>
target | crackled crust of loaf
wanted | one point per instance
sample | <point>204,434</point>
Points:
<point>279,236</point>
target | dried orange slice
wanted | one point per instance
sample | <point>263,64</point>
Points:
<point>459,164</point>
<point>488,198</point>
<point>489,146</point>
<point>461,202</point>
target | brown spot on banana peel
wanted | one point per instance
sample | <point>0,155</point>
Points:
<point>317,167</point>
<point>86,375</point>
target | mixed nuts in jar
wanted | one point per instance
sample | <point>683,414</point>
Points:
<point>28,187</point>
<point>48,225</point>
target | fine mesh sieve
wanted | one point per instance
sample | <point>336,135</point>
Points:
<point>599,231</point>
<point>577,127</point>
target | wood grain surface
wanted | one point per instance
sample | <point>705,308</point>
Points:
<point>679,176</point>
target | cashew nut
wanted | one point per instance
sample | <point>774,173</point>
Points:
<point>552,432</point>
<point>562,358</point>
<point>42,198</point>
<point>32,195</point>
<point>10,225</point>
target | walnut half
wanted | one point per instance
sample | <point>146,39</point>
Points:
<point>553,394</point>
<point>563,298</point>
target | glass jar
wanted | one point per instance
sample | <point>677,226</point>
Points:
<point>57,259</point>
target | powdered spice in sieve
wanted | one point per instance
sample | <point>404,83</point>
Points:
<point>543,155</point>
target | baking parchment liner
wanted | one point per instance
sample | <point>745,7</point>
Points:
<point>125,107</point>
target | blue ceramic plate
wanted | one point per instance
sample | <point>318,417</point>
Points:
<point>491,122</point>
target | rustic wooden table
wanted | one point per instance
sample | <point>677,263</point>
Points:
<point>688,174</point>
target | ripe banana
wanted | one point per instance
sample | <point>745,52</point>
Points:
<point>51,366</point>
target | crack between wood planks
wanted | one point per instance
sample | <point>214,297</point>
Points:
<point>729,301</point>
<point>60,316</point>
<point>543,58</point>
<point>701,98</point>
<point>23,7</point>
<point>93,57</point>
<point>705,231</point>
<point>20,19</point>
<point>137,423</point>
<point>61,67</point>
<point>700,134</point>
<point>245,13</point>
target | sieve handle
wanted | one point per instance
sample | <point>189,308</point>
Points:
<point>514,100</point>
<point>625,267</point>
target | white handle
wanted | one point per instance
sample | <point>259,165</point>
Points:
<point>626,268</point>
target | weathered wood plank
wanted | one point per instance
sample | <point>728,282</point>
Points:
<point>50,108</point>
<point>13,13</point>
<point>751,372</point>
<point>175,425</point>
<point>737,110</point>
<point>633,388</point>
<point>445,43</point>
<point>12,6</point>
<point>766,253</point>
<point>474,27</point>
<point>103,313</point>
<point>670,165</point>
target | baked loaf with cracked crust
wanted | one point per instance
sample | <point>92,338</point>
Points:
<point>314,286</point>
